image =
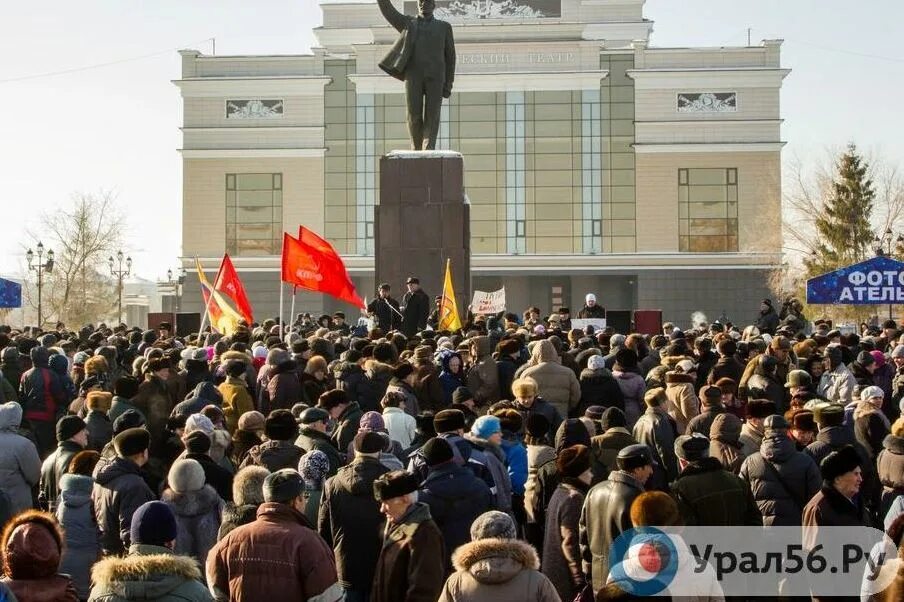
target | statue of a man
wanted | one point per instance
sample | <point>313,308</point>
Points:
<point>424,58</point>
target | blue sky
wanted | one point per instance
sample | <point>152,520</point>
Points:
<point>116,127</point>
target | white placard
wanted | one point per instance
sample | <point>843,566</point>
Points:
<point>488,303</point>
<point>597,323</point>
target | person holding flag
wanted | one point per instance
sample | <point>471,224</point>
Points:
<point>385,310</point>
<point>415,308</point>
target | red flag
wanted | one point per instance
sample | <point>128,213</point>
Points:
<point>309,237</point>
<point>229,283</point>
<point>317,268</point>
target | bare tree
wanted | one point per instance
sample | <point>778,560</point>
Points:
<point>82,234</point>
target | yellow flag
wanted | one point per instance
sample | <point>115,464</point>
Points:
<point>448,308</point>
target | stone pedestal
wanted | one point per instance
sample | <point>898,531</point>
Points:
<point>423,219</point>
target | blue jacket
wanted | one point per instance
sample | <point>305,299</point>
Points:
<point>447,379</point>
<point>516,461</point>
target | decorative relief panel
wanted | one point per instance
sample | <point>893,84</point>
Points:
<point>254,109</point>
<point>460,10</point>
<point>708,102</point>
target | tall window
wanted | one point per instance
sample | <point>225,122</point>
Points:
<point>253,213</point>
<point>591,172</point>
<point>708,210</point>
<point>515,213</point>
<point>366,164</point>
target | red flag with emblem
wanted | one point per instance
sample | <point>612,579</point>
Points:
<point>317,267</point>
<point>229,284</point>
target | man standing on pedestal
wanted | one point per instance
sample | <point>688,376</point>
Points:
<point>424,58</point>
<point>385,310</point>
<point>416,308</point>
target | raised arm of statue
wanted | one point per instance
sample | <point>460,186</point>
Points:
<point>395,18</point>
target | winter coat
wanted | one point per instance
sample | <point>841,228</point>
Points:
<point>214,474</point>
<point>604,449</point>
<point>724,445</point>
<point>236,401</point>
<point>767,321</point>
<point>401,426</point>
<point>495,463</point>
<point>464,453</point>
<point>278,554</point>
<point>837,385</point>
<point>376,380</point>
<point>598,387</point>
<point>537,457</point>
<point>283,388</point>
<point>120,406</point>
<point>350,521</point>
<point>456,497</point>
<point>493,570</point>
<point>205,393</point>
<point>561,545</point>
<point>782,480</point>
<point>833,438</point>
<point>31,555</point>
<point>76,515</point>
<point>515,461</point>
<point>349,422</point>
<point>710,496</point>
<point>20,465</point>
<point>312,387</point>
<point>406,390</point>
<point>273,455</point>
<point>702,422</point>
<point>415,309</point>
<point>198,514</point>
<point>100,429</point>
<point>349,378</point>
<point>448,380</point>
<point>12,373</point>
<point>235,516</point>
<point>682,400</point>
<point>751,438</point>
<point>726,367</point>
<point>483,376</point>
<point>767,386</point>
<point>541,406</point>
<point>890,465</point>
<point>52,470</point>
<point>385,311</point>
<point>153,401</point>
<point>606,514</point>
<point>633,388</point>
<point>310,439</point>
<point>556,383</point>
<point>410,567</point>
<point>119,489</point>
<point>148,573</point>
<point>656,430</point>
<point>41,391</point>
<point>870,427</point>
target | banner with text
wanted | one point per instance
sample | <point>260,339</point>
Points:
<point>876,281</point>
<point>488,303</point>
<point>581,324</point>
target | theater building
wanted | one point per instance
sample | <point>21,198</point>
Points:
<point>594,160</point>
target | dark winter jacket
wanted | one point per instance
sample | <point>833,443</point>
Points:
<point>483,375</point>
<point>76,515</point>
<point>448,380</point>
<point>273,455</point>
<point>702,422</point>
<point>148,573</point>
<point>214,475</point>
<point>561,546</point>
<point>120,406</point>
<point>870,428</point>
<point>726,367</point>
<point>456,497</point>
<point>599,387</point>
<point>465,453</point>
<point>349,378</point>
<point>198,514</point>
<point>604,449</point>
<point>410,566</point>
<point>100,429</point>
<point>235,516</point>
<point>724,443</point>
<point>782,480</point>
<point>416,309</point>
<point>606,514</point>
<point>205,393</point>
<point>571,432</point>
<point>710,496</point>
<point>153,401</point>
<point>495,463</point>
<point>767,321</point>
<point>283,387</point>
<point>656,430</point>
<point>41,393</point>
<point>52,470</point>
<point>546,409</point>
<point>833,438</point>
<point>119,489</point>
<point>349,422</point>
<point>376,379</point>
<point>310,439</point>
<point>350,521</point>
<point>278,555</point>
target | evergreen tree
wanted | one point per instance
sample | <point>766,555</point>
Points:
<point>845,236</point>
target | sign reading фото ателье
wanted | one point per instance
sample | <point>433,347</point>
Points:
<point>876,281</point>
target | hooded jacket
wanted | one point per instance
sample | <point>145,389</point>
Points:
<point>448,380</point>
<point>119,490</point>
<point>725,445</point>
<point>20,465</point>
<point>148,573</point>
<point>571,432</point>
<point>76,516</point>
<point>41,392</point>
<point>483,376</point>
<point>350,520</point>
<point>273,455</point>
<point>496,463</point>
<point>410,566</point>
<point>782,480</point>
<point>556,384</point>
<point>492,570</point>
<point>31,548</point>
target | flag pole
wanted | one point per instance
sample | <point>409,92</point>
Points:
<point>281,324</point>
<point>292,311</point>
<point>209,297</point>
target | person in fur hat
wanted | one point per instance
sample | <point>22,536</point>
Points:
<point>31,549</point>
<point>151,570</point>
<point>97,422</point>
<point>197,508</point>
<point>247,495</point>
<point>496,566</point>
<point>279,451</point>
<point>752,431</point>
<point>249,432</point>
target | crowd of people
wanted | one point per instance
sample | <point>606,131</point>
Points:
<point>322,461</point>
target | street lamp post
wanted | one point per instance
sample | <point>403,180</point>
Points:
<point>40,267</point>
<point>120,273</point>
<point>177,288</point>
<point>883,247</point>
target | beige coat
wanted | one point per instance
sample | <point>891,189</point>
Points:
<point>683,403</point>
<point>493,570</point>
<point>555,383</point>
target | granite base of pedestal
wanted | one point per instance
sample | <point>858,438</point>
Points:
<point>422,220</point>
